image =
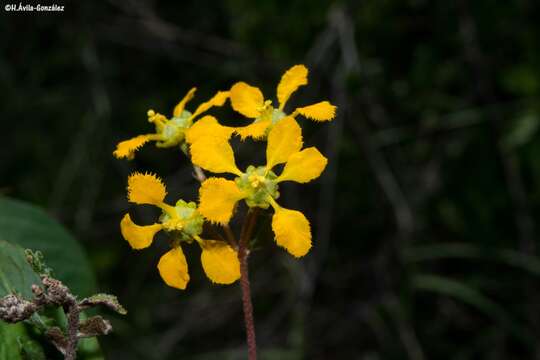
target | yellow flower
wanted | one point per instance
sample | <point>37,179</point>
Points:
<point>258,186</point>
<point>169,132</point>
<point>184,223</point>
<point>249,101</point>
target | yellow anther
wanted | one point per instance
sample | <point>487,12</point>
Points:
<point>255,180</point>
<point>156,118</point>
<point>267,104</point>
<point>173,224</point>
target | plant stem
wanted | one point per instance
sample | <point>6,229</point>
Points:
<point>73,327</point>
<point>243,254</point>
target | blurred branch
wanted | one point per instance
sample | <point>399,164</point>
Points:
<point>84,160</point>
<point>341,29</point>
<point>385,178</point>
<point>382,172</point>
<point>101,111</point>
<point>446,123</point>
<point>153,32</point>
<point>161,29</point>
<point>406,332</point>
<point>485,95</point>
<point>509,161</point>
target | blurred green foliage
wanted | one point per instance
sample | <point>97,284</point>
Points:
<point>31,228</point>
<point>16,275</point>
<point>425,235</point>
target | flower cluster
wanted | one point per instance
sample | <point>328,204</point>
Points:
<point>184,223</point>
<point>207,143</point>
<point>169,132</point>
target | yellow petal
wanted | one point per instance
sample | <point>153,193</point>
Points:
<point>304,166</point>
<point>217,100</point>
<point>246,99</point>
<point>145,189</point>
<point>139,237</point>
<point>220,262</point>
<point>182,104</point>
<point>126,149</point>
<point>323,111</point>
<point>292,231</point>
<point>284,139</point>
<point>207,126</point>
<point>173,268</point>
<point>217,198</point>
<point>213,153</point>
<point>290,82</point>
<point>255,130</point>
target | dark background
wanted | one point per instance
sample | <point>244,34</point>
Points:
<point>424,222</point>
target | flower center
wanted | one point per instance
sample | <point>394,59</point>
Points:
<point>268,112</point>
<point>183,221</point>
<point>256,180</point>
<point>172,131</point>
<point>277,115</point>
<point>258,184</point>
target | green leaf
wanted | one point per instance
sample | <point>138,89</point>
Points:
<point>521,79</point>
<point>522,131</point>
<point>107,300</point>
<point>16,275</point>
<point>432,252</point>
<point>9,348</point>
<point>16,344</point>
<point>31,350</point>
<point>31,227</point>
<point>471,296</point>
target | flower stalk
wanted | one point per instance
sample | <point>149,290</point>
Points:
<point>243,255</point>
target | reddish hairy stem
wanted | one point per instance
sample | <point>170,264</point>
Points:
<point>243,254</point>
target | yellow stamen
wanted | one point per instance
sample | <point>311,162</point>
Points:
<point>273,202</point>
<point>256,180</point>
<point>156,118</point>
<point>266,105</point>
<point>199,240</point>
<point>173,224</point>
